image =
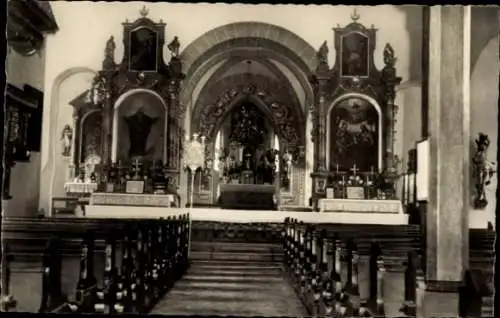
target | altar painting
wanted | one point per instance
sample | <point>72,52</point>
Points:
<point>143,49</point>
<point>141,129</point>
<point>354,135</point>
<point>354,56</point>
<point>90,135</point>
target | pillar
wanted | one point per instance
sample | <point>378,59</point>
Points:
<point>449,132</point>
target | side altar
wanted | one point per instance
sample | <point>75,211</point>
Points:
<point>355,166</point>
<point>128,126</point>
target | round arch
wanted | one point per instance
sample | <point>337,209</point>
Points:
<point>377,107</point>
<point>250,39</point>
<point>196,49</point>
<point>48,164</point>
<point>193,79</point>
<point>119,102</point>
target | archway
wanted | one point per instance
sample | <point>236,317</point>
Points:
<point>249,40</point>
<point>215,82</point>
<point>356,122</point>
<point>147,111</point>
<point>49,156</point>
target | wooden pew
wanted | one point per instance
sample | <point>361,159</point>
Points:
<point>124,266</point>
<point>323,263</point>
<point>334,253</point>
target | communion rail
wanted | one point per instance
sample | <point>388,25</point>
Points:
<point>344,271</point>
<point>94,265</point>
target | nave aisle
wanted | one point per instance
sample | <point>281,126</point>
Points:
<point>237,279</point>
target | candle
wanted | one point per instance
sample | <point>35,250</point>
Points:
<point>337,166</point>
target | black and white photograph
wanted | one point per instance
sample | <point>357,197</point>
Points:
<point>231,159</point>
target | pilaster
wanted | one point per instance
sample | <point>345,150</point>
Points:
<point>449,133</point>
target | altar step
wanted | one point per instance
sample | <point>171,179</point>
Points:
<point>231,251</point>
<point>235,279</point>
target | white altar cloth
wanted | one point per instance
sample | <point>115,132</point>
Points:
<point>243,216</point>
<point>80,187</point>
<point>132,199</point>
<point>365,207</point>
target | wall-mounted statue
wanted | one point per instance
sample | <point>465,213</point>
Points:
<point>483,171</point>
<point>67,138</point>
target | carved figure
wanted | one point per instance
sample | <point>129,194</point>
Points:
<point>67,138</point>
<point>174,47</point>
<point>139,127</point>
<point>109,52</point>
<point>323,53</point>
<point>483,170</point>
<point>389,58</point>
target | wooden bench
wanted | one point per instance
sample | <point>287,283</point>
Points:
<point>94,265</point>
<point>324,263</point>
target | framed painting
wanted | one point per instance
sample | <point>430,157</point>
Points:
<point>143,50</point>
<point>354,56</point>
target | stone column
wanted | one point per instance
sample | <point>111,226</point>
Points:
<point>449,125</point>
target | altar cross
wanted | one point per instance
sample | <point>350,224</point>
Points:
<point>354,169</point>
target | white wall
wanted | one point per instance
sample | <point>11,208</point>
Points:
<point>85,27</point>
<point>25,176</point>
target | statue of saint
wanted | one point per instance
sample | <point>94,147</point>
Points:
<point>322,54</point>
<point>483,170</point>
<point>109,53</point>
<point>139,127</point>
<point>67,137</point>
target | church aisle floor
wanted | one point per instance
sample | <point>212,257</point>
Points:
<point>233,287</point>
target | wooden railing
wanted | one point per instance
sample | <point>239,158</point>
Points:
<point>125,266</point>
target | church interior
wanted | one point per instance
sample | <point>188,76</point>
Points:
<point>274,160</point>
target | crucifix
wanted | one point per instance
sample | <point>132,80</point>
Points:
<point>354,169</point>
<point>136,169</point>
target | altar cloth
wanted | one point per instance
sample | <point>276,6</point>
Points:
<point>132,199</point>
<point>361,206</point>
